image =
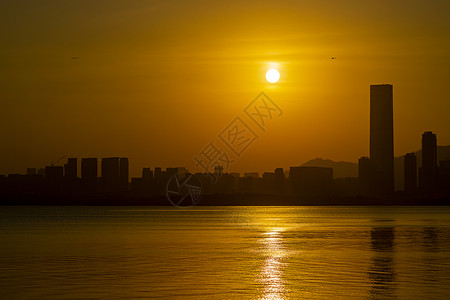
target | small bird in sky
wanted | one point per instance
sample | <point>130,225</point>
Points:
<point>333,58</point>
<point>75,57</point>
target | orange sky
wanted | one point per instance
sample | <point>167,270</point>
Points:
<point>158,80</point>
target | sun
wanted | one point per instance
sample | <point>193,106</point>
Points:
<point>272,75</point>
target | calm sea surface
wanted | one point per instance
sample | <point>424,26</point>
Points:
<point>225,252</point>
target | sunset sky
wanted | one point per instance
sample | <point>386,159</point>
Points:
<point>156,81</point>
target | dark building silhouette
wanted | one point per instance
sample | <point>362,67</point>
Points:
<point>236,177</point>
<point>365,176</point>
<point>346,186</point>
<point>273,183</point>
<point>158,172</point>
<point>54,172</point>
<point>382,138</point>
<point>147,181</point>
<point>247,183</point>
<point>206,182</point>
<point>89,169</point>
<point>161,179</point>
<point>137,187</point>
<point>269,181</point>
<point>251,174</point>
<point>111,167</point>
<point>444,177</point>
<point>124,167</point>
<point>41,172</point>
<point>258,185</point>
<point>31,171</point>
<point>172,171</point>
<point>410,173</point>
<point>71,168</point>
<point>54,177</point>
<point>3,184</point>
<point>311,181</point>
<point>429,162</point>
<point>147,174</point>
<point>111,174</point>
<point>279,181</point>
<point>17,183</point>
<point>225,184</point>
<point>89,172</point>
<point>279,171</point>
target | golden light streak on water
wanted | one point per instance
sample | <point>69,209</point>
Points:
<point>272,271</point>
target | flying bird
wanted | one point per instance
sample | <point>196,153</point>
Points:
<point>75,57</point>
<point>333,58</point>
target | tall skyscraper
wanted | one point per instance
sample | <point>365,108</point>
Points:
<point>71,168</point>
<point>429,162</point>
<point>382,138</point>
<point>410,173</point>
<point>89,169</point>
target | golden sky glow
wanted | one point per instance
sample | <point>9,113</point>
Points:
<point>157,80</point>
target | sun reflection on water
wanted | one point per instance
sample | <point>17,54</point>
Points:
<point>272,270</point>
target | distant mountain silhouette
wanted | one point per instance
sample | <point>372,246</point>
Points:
<point>340,168</point>
<point>350,169</point>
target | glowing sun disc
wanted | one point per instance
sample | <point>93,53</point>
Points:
<point>272,75</point>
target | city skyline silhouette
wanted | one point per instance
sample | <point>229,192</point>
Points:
<point>224,149</point>
<point>376,178</point>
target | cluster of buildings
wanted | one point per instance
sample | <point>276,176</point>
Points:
<point>64,179</point>
<point>114,180</point>
<point>376,172</point>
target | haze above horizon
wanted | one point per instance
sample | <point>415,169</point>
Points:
<point>156,82</point>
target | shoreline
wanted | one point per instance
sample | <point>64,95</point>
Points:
<point>223,200</point>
